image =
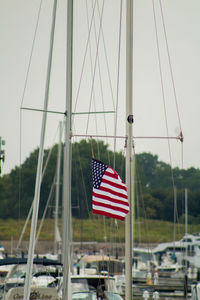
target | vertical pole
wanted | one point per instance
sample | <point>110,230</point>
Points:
<point>186,254</point>
<point>36,200</point>
<point>186,211</point>
<point>67,157</point>
<point>129,155</point>
<point>133,202</point>
<point>57,190</point>
<point>175,209</point>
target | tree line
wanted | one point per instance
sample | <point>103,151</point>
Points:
<point>159,190</point>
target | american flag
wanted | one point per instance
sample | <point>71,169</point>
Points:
<point>109,197</point>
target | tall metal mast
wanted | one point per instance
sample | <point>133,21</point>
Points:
<point>66,237</point>
<point>39,168</point>
<point>129,150</point>
<point>56,230</point>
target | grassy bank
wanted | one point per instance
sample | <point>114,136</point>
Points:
<point>100,230</point>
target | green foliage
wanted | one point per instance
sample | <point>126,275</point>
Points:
<point>154,196</point>
<point>99,229</point>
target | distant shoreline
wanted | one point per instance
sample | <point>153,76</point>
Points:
<point>44,247</point>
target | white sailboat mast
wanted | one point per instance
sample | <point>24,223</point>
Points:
<point>129,150</point>
<point>39,168</point>
<point>66,236</point>
<point>57,190</point>
<point>186,211</point>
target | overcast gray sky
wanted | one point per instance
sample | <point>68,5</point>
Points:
<point>182,20</point>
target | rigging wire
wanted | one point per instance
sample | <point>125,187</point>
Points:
<point>46,207</point>
<point>84,59</point>
<point>31,54</point>
<point>78,202</point>
<point>171,74</point>
<point>101,85</point>
<point>108,70</point>
<point>22,100</point>
<point>83,182</point>
<point>97,59</point>
<point>118,68</point>
<point>137,208</point>
<point>140,191</point>
<point>95,64</point>
<point>91,66</point>
<point>30,210</point>
<point>163,92</point>
<point>164,102</point>
<point>85,198</point>
<point>88,44</point>
<point>170,65</point>
<point>174,88</point>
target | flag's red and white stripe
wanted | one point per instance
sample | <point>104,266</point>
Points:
<point>111,198</point>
